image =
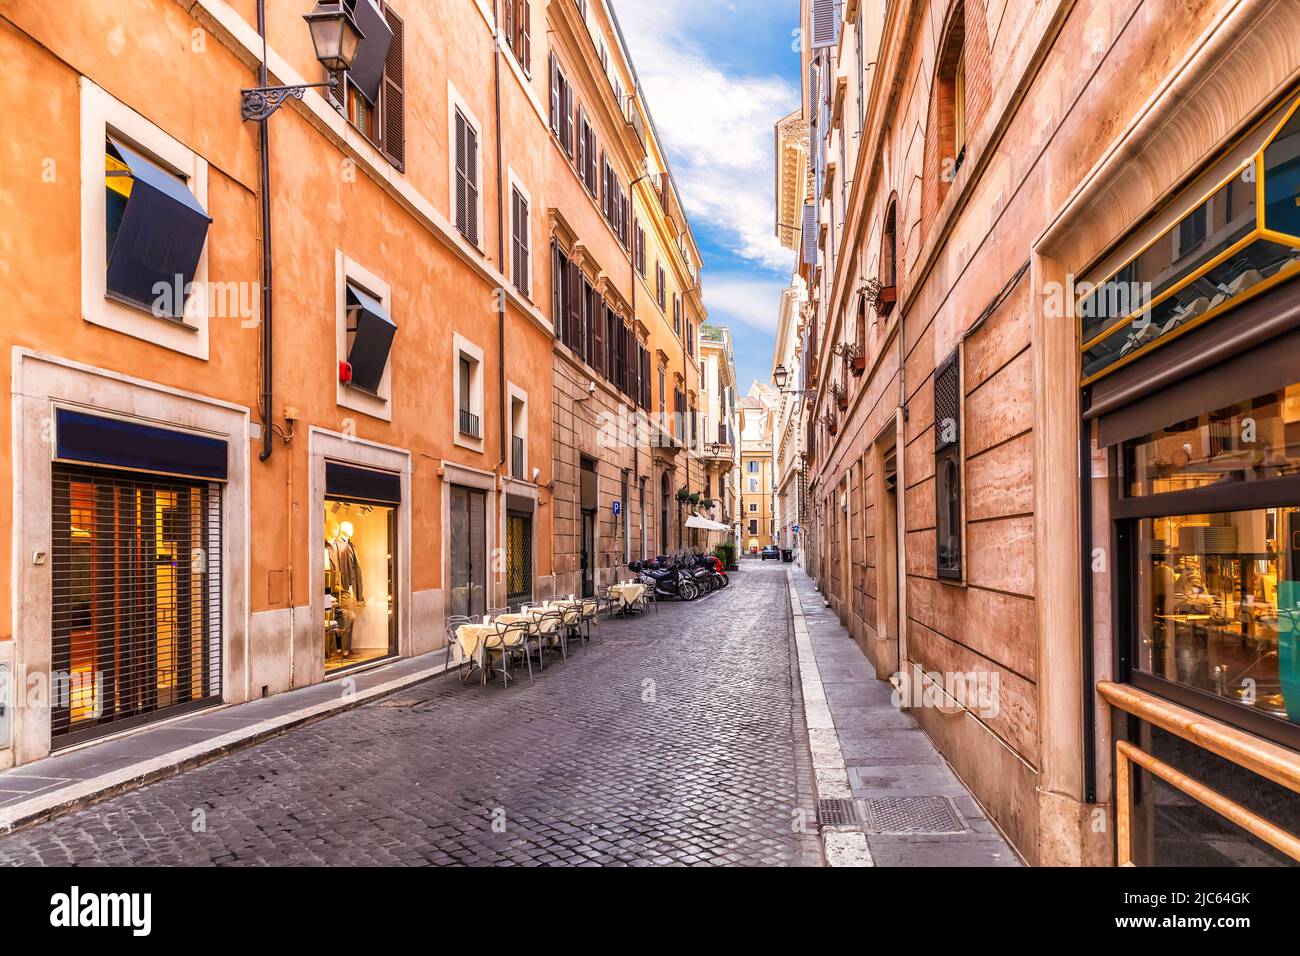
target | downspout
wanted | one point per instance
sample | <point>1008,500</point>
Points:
<point>264,145</point>
<point>501,232</point>
<point>501,261</point>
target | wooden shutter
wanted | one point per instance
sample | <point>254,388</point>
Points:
<point>582,144</point>
<point>525,20</point>
<point>392,141</point>
<point>558,270</point>
<point>575,308</point>
<point>825,23</point>
<point>462,179</point>
<point>555,95</point>
<point>471,163</point>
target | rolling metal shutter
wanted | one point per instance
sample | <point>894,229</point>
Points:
<point>137,583</point>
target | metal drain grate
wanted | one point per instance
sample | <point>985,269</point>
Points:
<point>399,702</point>
<point>914,815</point>
<point>838,813</point>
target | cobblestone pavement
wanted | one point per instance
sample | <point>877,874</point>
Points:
<point>675,738</point>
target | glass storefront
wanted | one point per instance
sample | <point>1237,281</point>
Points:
<point>360,576</point>
<point>1217,591</point>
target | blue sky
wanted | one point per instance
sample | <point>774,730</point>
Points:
<point>718,74</point>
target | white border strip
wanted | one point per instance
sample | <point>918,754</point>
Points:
<point>842,846</point>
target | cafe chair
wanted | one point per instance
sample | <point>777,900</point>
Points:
<point>514,639</point>
<point>454,621</point>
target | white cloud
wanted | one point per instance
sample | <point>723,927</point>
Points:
<point>717,122</point>
<point>743,299</point>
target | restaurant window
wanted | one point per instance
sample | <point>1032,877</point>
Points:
<point>1210,526</point>
<point>947,468</point>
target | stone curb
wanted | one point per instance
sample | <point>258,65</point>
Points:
<point>46,806</point>
<point>842,846</point>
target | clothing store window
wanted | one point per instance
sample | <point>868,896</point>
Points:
<point>360,606</point>
<point>1215,572</point>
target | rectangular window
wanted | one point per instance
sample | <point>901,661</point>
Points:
<point>467,197</point>
<point>677,315</point>
<point>640,250</point>
<point>373,90</point>
<point>519,239</point>
<point>562,107</point>
<point>518,27</point>
<point>661,286</point>
<point>1209,525</point>
<point>468,552</point>
<point>467,418</point>
<point>947,468</point>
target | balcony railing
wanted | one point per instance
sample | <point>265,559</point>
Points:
<point>517,457</point>
<point>469,424</point>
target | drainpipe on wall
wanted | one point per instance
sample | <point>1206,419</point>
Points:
<point>501,261</point>
<point>264,144</point>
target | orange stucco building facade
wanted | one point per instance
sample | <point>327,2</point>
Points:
<point>409,462</point>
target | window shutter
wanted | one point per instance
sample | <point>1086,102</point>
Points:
<point>582,144</point>
<point>462,178</point>
<point>525,35</point>
<point>557,293</point>
<point>555,95</point>
<point>825,23</point>
<point>471,177</point>
<point>393,134</point>
<point>809,234</point>
<point>575,308</point>
<point>521,240</point>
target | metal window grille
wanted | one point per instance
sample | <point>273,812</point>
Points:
<point>137,614</point>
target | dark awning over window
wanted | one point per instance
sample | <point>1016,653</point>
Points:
<point>373,338</point>
<point>362,484</point>
<point>160,238</point>
<point>367,72</point>
<point>96,440</point>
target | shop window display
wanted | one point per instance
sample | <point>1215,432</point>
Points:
<point>1217,591</point>
<point>360,620</point>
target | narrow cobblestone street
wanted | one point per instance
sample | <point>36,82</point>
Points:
<point>676,738</point>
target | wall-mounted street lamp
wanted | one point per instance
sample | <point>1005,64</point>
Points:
<point>782,377</point>
<point>335,35</point>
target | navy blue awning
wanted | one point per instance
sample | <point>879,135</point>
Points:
<point>113,442</point>
<point>160,239</point>
<point>367,71</point>
<point>351,483</point>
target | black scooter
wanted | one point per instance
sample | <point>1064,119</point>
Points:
<point>667,579</point>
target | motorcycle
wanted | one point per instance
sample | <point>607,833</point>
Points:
<point>668,579</point>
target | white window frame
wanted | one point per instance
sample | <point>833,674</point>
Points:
<point>348,270</point>
<point>513,183</point>
<point>516,394</point>
<point>463,346</point>
<point>102,115</point>
<point>457,102</point>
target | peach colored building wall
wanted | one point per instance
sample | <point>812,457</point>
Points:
<point>1049,90</point>
<point>334,199</point>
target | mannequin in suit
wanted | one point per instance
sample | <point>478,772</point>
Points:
<point>347,568</point>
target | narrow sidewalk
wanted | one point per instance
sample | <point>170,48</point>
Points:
<point>67,781</point>
<point>886,796</point>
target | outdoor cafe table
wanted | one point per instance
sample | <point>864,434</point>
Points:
<point>628,594</point>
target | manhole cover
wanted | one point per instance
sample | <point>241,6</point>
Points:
<point>913,815</point>
<point>837,813</point>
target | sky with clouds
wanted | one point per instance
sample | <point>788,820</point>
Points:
<point>718,74</point>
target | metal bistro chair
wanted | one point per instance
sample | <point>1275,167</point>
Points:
<point>513,639</point>
<point>571,621</point>
<point>607,601</point>
<point>454,621</point>
<point>550,627</point>
<point>589,611</point>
